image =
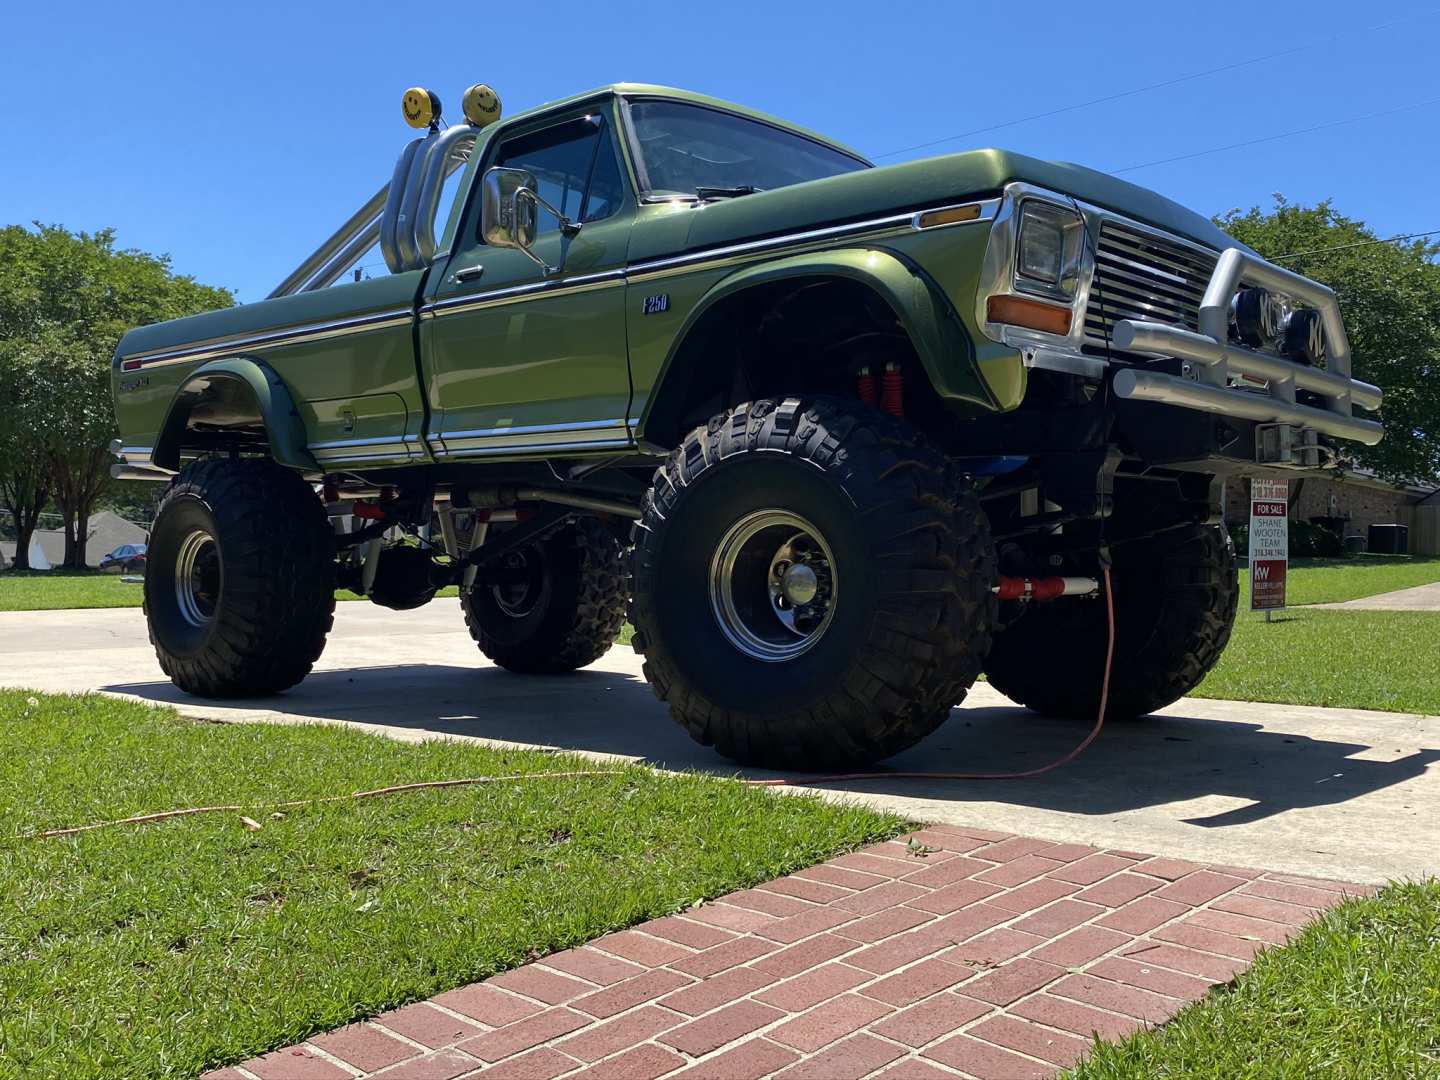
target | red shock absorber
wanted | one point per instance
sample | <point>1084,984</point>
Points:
<point>865,387</point>
<point>892,398</point>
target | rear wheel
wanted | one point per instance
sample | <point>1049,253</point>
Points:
<point>1175,599</point>
<point>811,585</point>
<point>561,606</point>
<point>240,578</point>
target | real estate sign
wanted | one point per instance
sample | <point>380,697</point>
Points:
<point>1269,542</point>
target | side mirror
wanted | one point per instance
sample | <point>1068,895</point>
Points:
<point>507,219</point>
<point>509,208</point>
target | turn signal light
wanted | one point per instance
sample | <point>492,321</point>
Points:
<point>950,215</point>
<point>1031,314</point>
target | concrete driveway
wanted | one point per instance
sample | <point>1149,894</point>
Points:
<point>1338,793</point>
<point>1418,598</point>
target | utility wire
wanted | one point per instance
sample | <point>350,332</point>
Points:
<point>1359,244</point>
<point>1349,36</point>
<point>1281,135</point>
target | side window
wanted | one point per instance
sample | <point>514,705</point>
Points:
<point>574,166</point>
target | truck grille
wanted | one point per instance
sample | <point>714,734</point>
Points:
<point>1139,275</point>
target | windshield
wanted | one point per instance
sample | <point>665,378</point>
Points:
<point>689,147</point>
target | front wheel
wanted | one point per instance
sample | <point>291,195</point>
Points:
<point>240,578</point>
<point>811,585</point>
<point>1175,600</point>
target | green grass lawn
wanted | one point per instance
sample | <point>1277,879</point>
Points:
<point>1356,996</point>
<point>1331,581</point>
<point>162,950</point>
<point>52,589</point>
<point>1311,581</point>
<point>1350,659</point>
<point>46,590</point>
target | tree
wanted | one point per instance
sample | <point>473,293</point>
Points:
<point>24,464</point>
<point>1390,297</point>
<point>65,300</point>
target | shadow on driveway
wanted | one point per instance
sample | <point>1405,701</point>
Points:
<point>1152,762</point>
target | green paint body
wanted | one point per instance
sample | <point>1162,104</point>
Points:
<point>576,368</point>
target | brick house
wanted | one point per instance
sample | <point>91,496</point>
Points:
<point>1359,498</point>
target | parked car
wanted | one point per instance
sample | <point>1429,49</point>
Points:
<point>127,559</point>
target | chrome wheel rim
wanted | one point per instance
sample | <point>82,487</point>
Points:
<point>773,585</point>
<point>197,578</point>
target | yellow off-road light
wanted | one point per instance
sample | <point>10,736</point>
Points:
<point>1031,314</point>
<point>421,107</point>
<point>950,215</point>
<point>481,105</point>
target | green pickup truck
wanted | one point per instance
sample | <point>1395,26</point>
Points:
<point>836,439</point>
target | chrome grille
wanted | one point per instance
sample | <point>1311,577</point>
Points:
<point>1139,275</point>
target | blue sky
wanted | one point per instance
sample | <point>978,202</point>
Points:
<point>235,137</point>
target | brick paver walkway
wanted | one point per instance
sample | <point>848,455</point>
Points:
<point>989,956</point>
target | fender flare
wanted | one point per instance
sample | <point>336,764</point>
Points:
<point>924,312</point>
<point>257,382</point>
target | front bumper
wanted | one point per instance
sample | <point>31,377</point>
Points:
<point>1213,360</point>
<point>1151,316</point>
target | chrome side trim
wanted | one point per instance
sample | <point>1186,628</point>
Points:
<point>528,429</point>
<point>786,240</point>
<point>452,305</point>
<point>346,459</point>
<point>336,444</point>
<point>540,448</point>
<point>289,336</point>
<point>532,438</point>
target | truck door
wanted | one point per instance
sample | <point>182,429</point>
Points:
<point>518,362</point>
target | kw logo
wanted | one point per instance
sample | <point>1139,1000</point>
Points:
<point>1262,572</point>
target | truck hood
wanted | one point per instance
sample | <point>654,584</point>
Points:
<point>913,184</point>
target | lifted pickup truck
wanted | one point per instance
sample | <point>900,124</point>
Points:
<point>837,438</point>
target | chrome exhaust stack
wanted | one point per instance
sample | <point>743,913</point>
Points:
<point>401,215</point>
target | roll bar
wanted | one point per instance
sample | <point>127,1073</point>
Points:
<point>401,215</point>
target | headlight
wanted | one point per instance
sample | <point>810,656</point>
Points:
<point>1047,258</point>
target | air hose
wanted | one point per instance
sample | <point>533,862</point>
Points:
<point>1024,774</point>
<point>809,781</point>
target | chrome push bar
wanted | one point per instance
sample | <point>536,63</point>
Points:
<point>1216,358</point>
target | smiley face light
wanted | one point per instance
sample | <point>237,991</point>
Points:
<point>481,105</point>
<point>421,107</point>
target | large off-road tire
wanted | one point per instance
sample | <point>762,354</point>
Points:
<point>1175,597</point>
<point>896,556</point>
<point>566,612</point>
<point>240,578</point>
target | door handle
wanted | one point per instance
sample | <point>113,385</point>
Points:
<point>470,273</point>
